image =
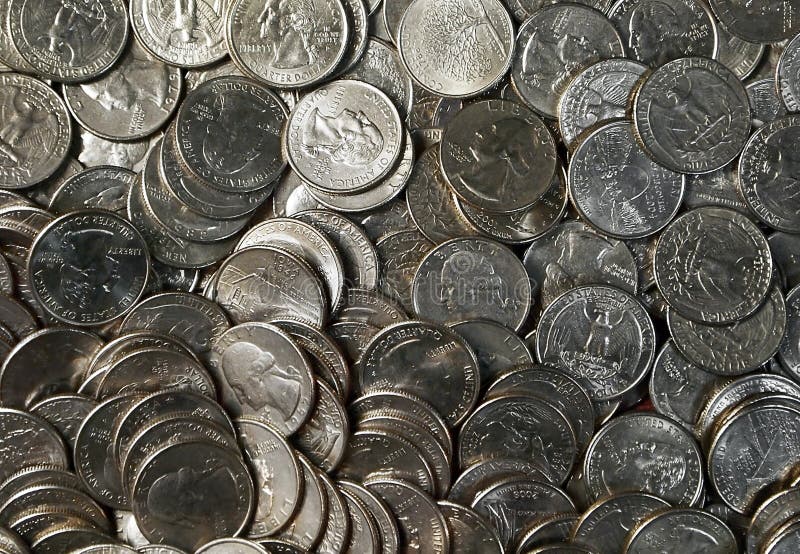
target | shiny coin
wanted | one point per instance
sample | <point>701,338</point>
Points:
<point>323,438</point>
<point>496,347</point>
<point>481,475</point>
<point>400,254</point>
<point>308,524</point>
<point>677,126</point>
<point>786,538</point>
<point>380,66</point>
<point>548,530</point>
<point>101,187</point>
<point>385,521</point>
<point>65,412</point>
<point>765,104</point>
<point>686,529</point>
<point>128,343</point>
<point>230,546</point>
<point>740,56</point>
<point>370,306</point>
<point>469,532</point>
<point>364,535</point>
<point>430,40</point>
<point>783,247</point>
<point>716,189</point>
<point>789,351</point>
<point>770,22</point>
<point>695,260</point>
<point>337,530</point>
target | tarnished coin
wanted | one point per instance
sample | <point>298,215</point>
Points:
<point>88,267</point>
<point>400,254</point>
<point>765,104</point>
<point>184,35</point>
<point>467,278</point>
<point>775,511</point>
<point>789,350</point>
<point>732,349</point>
<point>344,137</point>
<point>323,437</point>
<point>469,532</point>
<point>617,188</point>
<point>597,94</point>
<point>648,453</point>
<point>189,493</point>
<point>767,179</point>
<point>758,22</point>
<point>278,477</point>
<point>12,542</point>
<point>28,440</point>
<point>306,242</point>
<point>68,42</point>
<point>264,283</point>
<point>657,32</point>
<point>65,412</point>
<point>364,535</point>
<point>431,40</point>
<point>37,131</point>
<point>496,347</point>
<point>263,373</point>
<point>287,45</point>
<point>228,134</point>
<point>421,523</point>
<point>786,538</point>
<point>692,115</point>
<point>189,317</point>
<point>102,187</point>
<point>130,102</point>
<point>419,358</point>
<point>60,357</point>
<point>605,526</point>
<point>498,156</point>
<point>599,335</point>
<point>573,255</point>
<point>380,65</point>
<point>553,45</point>
<point>513,426</point>
<point>385,521</point>
<point>713,265</point>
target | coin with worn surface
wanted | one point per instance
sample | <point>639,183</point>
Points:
<point>786,538</point>
<point>158,549</point>
<point>364,535</point>
<point>606,524</point>
<point>431,40</point>
<point>597,94</point>
<point>498,155</point>
<point>657,32</point>
<point>68,537</point>
<point>181,35</point>
<point>758,22</point>
<point>380,66</point>
<point>679,388</point>
<point>421,523</point>
<point>290,45</point>
<point>497,347</point>
<point>189,493</point>
<point>787,76</point>
<point>645,452</point>
<point>600,335</point>
<point>344,137</point>
<point>426,360</point>
<point>400,254</point>
<point>228,134</point>
<point>261,372</point>
<point>766,179</point>
<point>101,187</point>
<point>59,356</point>
<point>467,278</point>
<point>617,188</point>
<point>323,437</point>
<point>773,513</point>
<point>683,530</point>
<point>732,349</point>
<point>88,267</point>
<point>37,133</point>
<point>68,42</point>
<point>469,532</point>
<point>713,265</point>
<point>11,542</point>
<point>65,412</point>
<point>189,317</point>
<point>553,45</point>
<point>692,115</point>
<point>264,283</point>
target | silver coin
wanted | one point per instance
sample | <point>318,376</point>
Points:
<point>323,437</point>
<point>713,265</point>
<point>185,35</point>
<point>479,476</point>
<point>60,356</point>
<point>422,525</point>
<point>65,412</point>
<point>392,13</point>
<point>431,45</point>
<point>789,350</point>
<point>235,145</point>
<point>37,133</point>
<point>765,22</point>
<point>230,546</point>
<point>322,123</point>
<point>306,242</point>
<point>291,196</point>
<point>773,513</point>
<point>130,102</point>
<point>546,531</point>
<point>263,373</point>
<point>573,255</point>
<point>100,187</point>
<point>657,32</point>
<point>648,453</point>
<point>388,218</point>
<point>29,440</point>
<point>386,524</point>
<point>496,347</point>
<point>765,104</point>
<point>9,55</point>
<point>65,538</point>
<point>192,481</point>
<point>309,521</point>
<point>469,532</point>
<point>715,189</point>
<point>353,337</point>
<point>370,306</point>
<point>553,45</point>
<point>264,283</point>
<point>158,549</point>
<point>164,277</point>
<point>380,65</point>
<point>617,188</point>
<point>784,247</point>
<point>786,538</point>
<point>467,278</point>
<point>418,357</point>
<point>740,56</point>
<point>337,530</point>
<point>364,535</point>
<point>65,42</point>
<point>358,24</point>
<point>732,349</point>
<point>599,335</point>
<point>528,500</point>
<point>683,528</point>
<point>765,177</point>
<point>786,78</point>
<point>400,254</point>
<point>288,45</point>
<point>680,126</point>
<point>12,542</point>
<point>597,94</point>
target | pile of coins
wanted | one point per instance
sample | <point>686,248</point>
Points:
<point>399,276</point>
